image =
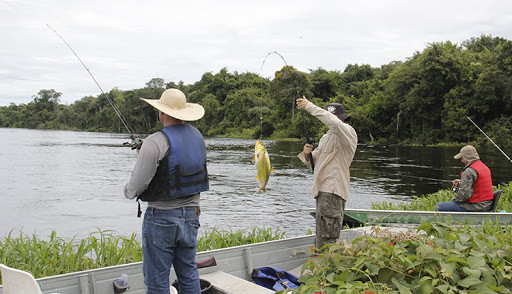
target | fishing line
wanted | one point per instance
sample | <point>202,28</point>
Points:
<point>309,139</point>
<point>489,138</point>
<point>136,142</point>
<point>425,178</point>
<point>289,70</point>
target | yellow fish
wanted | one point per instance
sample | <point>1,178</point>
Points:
<point>262,163</point>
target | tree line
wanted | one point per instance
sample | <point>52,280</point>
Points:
<point>425,99</point>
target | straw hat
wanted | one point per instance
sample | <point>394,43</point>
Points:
<point>174,103</point>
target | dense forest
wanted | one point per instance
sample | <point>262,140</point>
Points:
<point>425,99</point>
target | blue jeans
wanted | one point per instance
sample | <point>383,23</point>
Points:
<point>169,237</point>
<point>450,206</point>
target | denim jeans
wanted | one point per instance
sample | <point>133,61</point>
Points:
<point>169,237</point>
<point>450,206</point>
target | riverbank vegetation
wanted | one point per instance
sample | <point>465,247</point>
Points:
<point>422,100</point>
<point>438,258</point>
<point>55,255</point>
<point>428,202</point>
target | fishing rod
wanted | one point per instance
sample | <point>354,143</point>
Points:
<point>309,139</point>
<point>136,143</point>
<point>489,138</point>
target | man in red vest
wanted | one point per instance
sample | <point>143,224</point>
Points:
<point>474,187</point>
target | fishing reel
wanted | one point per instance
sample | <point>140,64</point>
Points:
<point>136,143</point>
<point>311,140</point>
<point>455,186</point>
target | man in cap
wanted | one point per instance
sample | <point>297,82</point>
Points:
<point>170,173</point>
<point>332,159</point>
<point>474,191</point>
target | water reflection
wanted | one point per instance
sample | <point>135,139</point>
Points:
<point>72,182</point>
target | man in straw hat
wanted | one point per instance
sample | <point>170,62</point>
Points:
<point>332,159</point>
<point>474,188</point>
<point>170,173</point>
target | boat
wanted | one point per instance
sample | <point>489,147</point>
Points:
<point>231,272</point>
<point>371,217</point>
<point>366,217</point>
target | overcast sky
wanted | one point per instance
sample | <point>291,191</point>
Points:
<point>127,43</point>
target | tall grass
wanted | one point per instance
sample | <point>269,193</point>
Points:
<point>428,202</point>
<point>56,256</point>
<point>215,239</point>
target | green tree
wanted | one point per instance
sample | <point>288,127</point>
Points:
<point>287,85</point>
<point>326,84</point>
<point>47,99</point>
<point>156,83</point>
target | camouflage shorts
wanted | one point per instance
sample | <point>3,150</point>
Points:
<point>329,218</point>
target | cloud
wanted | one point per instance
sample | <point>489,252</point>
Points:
<point>127,43</point>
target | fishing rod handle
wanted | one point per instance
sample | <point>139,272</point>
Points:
<point>136,143</point>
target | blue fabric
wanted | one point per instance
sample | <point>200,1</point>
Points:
<point>169,237</point>
<point>274,278</point>
<point>182,172</point>
<point>450,206</point>
<point>187,160</point>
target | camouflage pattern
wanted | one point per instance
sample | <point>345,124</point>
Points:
<point>329,218</point>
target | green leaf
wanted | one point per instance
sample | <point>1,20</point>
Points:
<point>459,247</point>
<point>359,261</point>
<point>427,252</point>
<point>475,273</point>
<point>448,267</point>
<point>440,228</point>
<point>464,238</point>
<point>483,289</point>
<point>426,288</point>
<point>443,288</point>
<point>385,275</point>
<point>488,277</point>
<point>457,259</point>
<point>424,285</point>
<point>476,262</point>
<point>402,288</point>
<point>469,281</point>
<point>372,269</point>
<point>329,290</point>
<point>433,272</point>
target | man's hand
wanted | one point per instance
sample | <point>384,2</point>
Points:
<point>308,148</point>
<point>302,102</point>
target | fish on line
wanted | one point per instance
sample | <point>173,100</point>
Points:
<point>262,163</point>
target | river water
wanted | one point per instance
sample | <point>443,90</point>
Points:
<point>72,182</point>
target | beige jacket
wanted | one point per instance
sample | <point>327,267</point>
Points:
<point>333,156</point>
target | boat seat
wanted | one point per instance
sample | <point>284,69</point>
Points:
<point>495,200</point>
<point>233,285</point>
<point>16,281</point>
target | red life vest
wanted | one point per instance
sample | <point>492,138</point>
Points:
<point>482,187</point>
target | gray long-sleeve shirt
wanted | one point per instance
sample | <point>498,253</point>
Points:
<point>153,150</point>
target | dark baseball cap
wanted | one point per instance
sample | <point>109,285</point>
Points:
<point>338,110</point>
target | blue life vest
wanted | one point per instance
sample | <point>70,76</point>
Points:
<point>274,278</point>
<point>183,171</point>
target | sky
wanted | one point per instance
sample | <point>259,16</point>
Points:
<point>127,43</point>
